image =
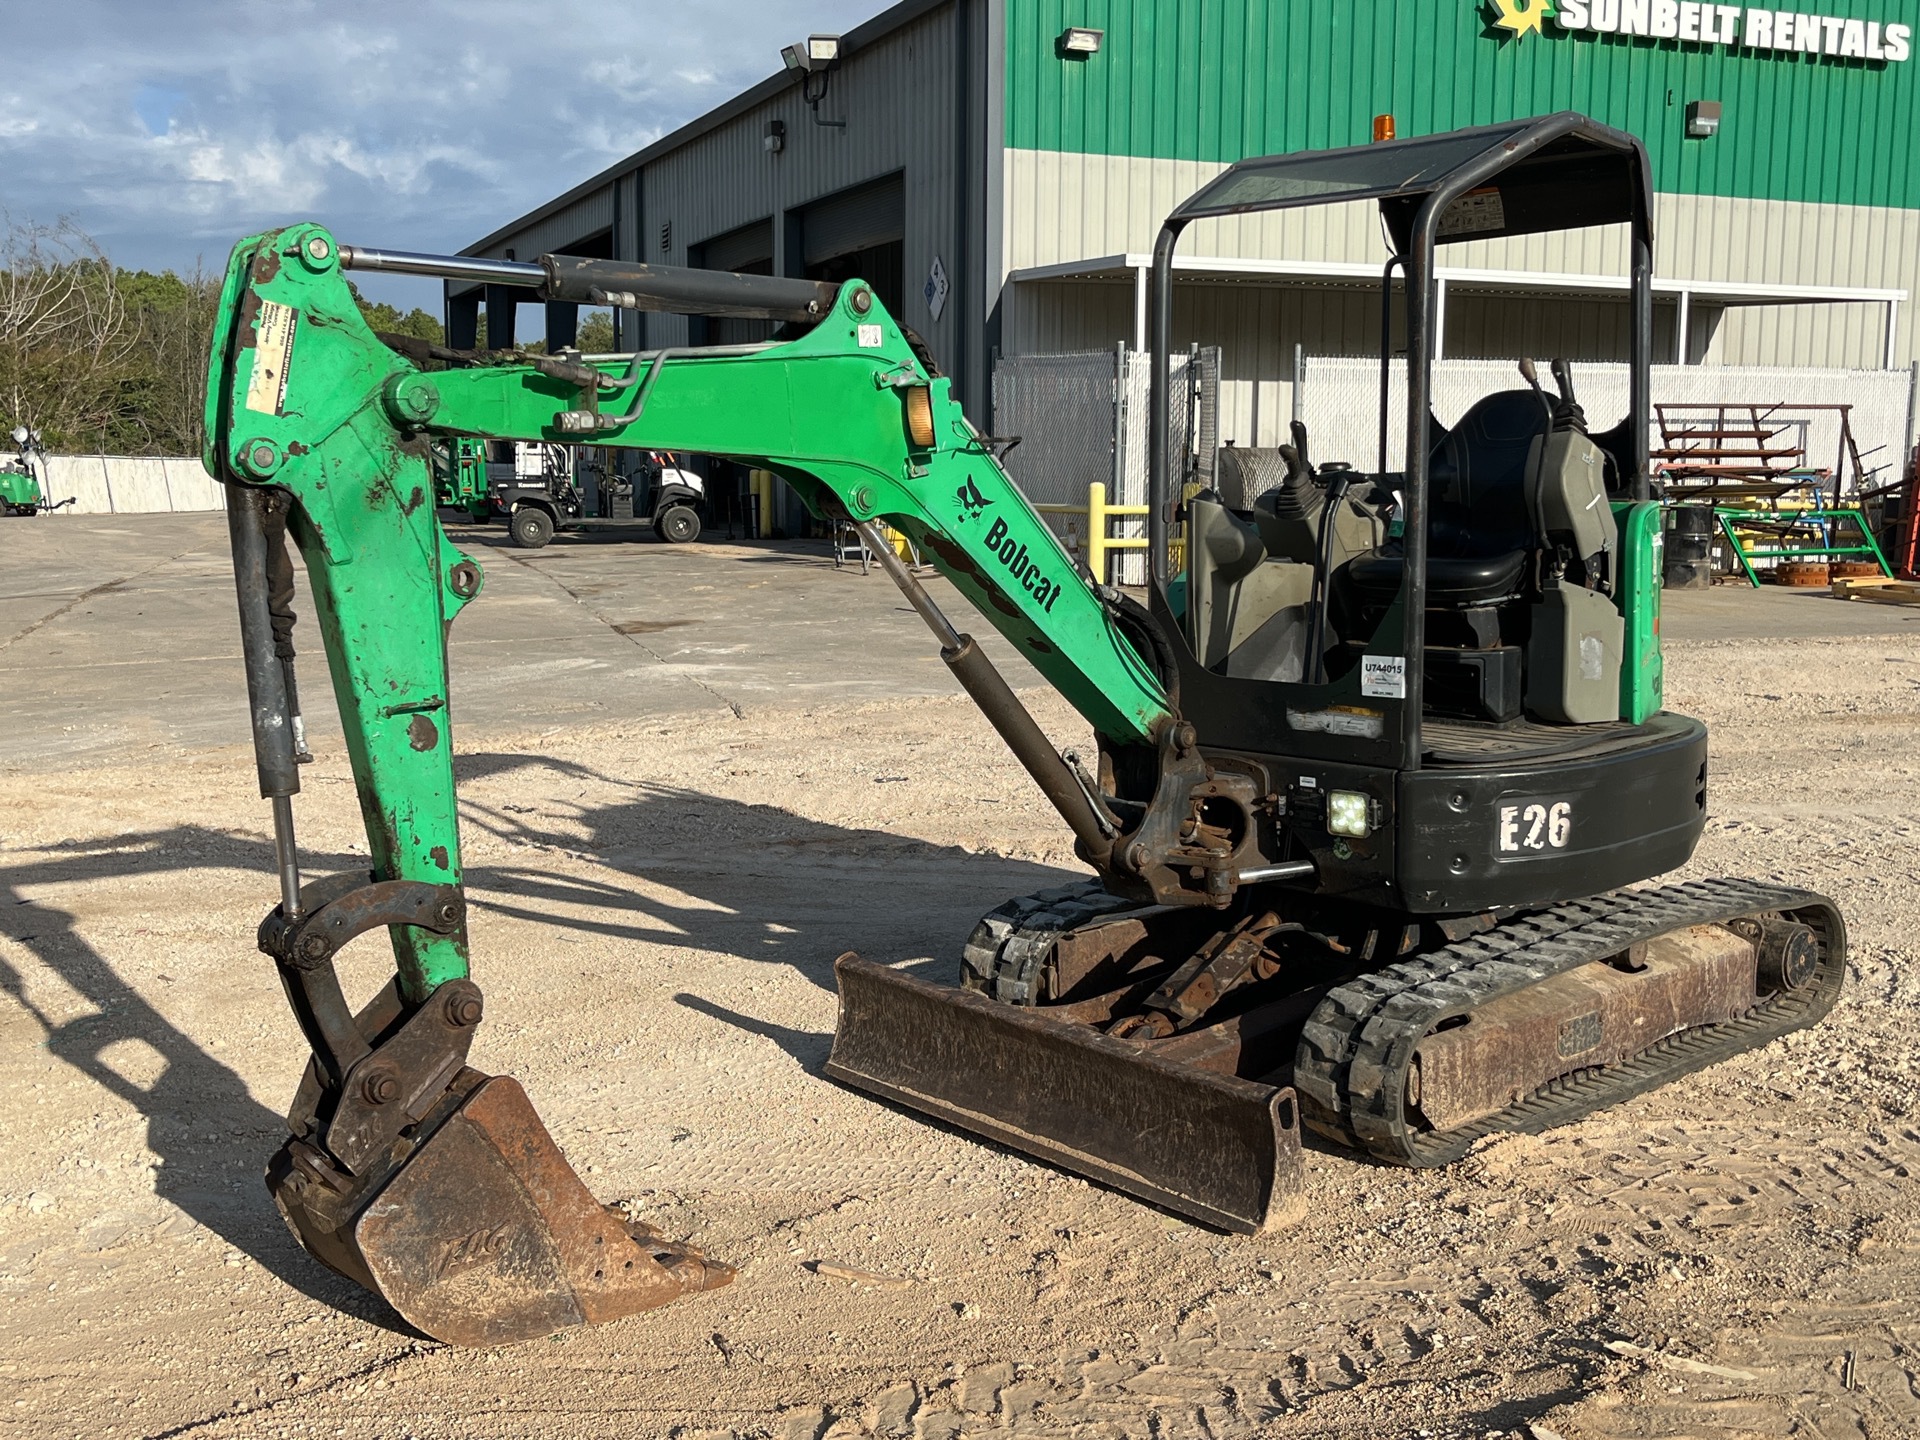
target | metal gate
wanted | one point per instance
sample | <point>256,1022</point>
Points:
<point>1083,420</point>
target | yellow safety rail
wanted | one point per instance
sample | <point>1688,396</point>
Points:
<point>1100,542</point>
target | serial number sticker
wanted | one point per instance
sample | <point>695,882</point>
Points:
<point>272,355</point>
<point>1534,827</point>
<point>870,338</point>
<point>1339,720</point>
<point>1383,677</point>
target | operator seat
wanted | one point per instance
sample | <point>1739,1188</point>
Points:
<point>1519,539</point>
<point>1480,529</point>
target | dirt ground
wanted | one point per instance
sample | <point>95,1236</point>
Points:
<point>1737,1255</point>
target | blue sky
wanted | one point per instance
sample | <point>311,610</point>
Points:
<point>167,129</point>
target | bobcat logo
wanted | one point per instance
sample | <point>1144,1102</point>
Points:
<point>971,499</point>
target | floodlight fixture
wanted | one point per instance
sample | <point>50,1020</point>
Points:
<point>813,60</point>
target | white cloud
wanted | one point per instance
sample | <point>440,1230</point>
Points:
<point>419,126</point>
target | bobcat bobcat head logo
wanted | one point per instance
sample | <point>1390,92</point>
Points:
<point>971,499</point>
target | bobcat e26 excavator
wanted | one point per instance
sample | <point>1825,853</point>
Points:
<point>1372,771</point>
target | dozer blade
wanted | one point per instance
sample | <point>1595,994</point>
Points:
<point>482,1234</point>
<point>1217,1149</point>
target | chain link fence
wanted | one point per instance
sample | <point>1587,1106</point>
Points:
<point>1338,397</point>
<point>1083,419</point>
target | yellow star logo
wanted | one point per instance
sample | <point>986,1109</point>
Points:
<point>1520,16</point>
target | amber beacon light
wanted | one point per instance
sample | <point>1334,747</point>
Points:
<point>1382,128</point>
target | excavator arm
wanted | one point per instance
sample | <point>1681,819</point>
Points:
<point>407,1170</point>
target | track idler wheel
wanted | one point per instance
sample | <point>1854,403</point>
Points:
<point>1786,955</point>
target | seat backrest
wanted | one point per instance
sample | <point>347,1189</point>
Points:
<point>1477,478</point>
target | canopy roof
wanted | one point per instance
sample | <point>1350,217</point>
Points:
<point>1521,177</point>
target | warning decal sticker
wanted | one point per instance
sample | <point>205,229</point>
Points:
<point>267,388</point>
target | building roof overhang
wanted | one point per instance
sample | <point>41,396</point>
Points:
<point>1467,278</point>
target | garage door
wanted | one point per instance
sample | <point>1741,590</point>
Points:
<point>863,218</point>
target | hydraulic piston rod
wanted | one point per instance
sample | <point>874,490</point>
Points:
<point>569,279</point>
<point>989,690</point>
<point>445,267</point>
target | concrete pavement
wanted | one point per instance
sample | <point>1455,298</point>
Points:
<point>118,636</point>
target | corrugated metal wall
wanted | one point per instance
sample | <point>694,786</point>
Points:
<point>1101,149</point>
<point>1064,207</point>
<point>555,233</point>
<point>900,96</point>
<point>1216,80</point>
<point>897,97</point>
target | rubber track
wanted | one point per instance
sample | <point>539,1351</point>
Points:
<point>1357,1047</point>
<point>1003,956</point>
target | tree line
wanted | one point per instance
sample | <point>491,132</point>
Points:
<point>103,360</point>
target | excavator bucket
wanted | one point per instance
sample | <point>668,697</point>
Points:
<point>483,1234</point>
<point>436,1187</point>
<point>1216,1148</point>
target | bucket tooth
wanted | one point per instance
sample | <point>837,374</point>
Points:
<point>1215,1148</point>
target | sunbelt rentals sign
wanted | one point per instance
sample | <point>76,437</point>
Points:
<point>1743,27</point>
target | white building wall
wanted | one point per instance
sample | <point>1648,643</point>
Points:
<point>1062,207</point>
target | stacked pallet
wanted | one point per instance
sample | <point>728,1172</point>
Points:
<point>1880,589</point>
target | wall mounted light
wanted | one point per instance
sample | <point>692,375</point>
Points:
<point>776,137</point>
<point>816,52</point>
<point>1703,118</point>
<point>813,60</point>
<point>1076,42</point>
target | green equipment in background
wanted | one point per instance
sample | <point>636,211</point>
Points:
<point>21,492</point>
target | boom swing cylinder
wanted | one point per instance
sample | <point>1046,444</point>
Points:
<point>1372,772</point>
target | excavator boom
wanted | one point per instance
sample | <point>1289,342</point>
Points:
<point>407,1170</point>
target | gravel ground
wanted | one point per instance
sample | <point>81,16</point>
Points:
<point>1736,1255</point>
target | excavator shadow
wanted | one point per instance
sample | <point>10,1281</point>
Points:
<point>210,1135</point>
<point>793,891</point>
<point>693,870</point>
<point>812,553</point>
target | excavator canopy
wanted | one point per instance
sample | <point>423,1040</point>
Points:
<point>1555,172</point>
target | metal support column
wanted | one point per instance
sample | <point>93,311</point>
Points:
<point>463,319</point>
<point>1140,309</point>
<point>503,301</point>
<point>563,325</point>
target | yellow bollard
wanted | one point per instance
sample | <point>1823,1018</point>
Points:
<point>760,487</point>
<point>1098,540</point>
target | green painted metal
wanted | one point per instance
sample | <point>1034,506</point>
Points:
<point>1642,552</point>
<point>20,490</point>
<point>304,397</point>
<point>460,476</point>
<point>1220,80</point>
<point>378,565</point>
<point>1847,515</point>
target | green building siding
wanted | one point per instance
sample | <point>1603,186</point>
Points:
<point>1217,80</point>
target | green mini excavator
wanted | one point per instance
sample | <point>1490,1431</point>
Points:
<point>1377,771</point>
